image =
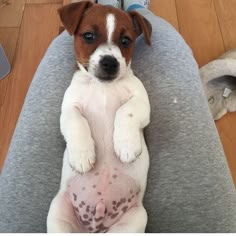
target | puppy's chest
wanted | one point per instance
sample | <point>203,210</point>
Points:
<point>103,100</point>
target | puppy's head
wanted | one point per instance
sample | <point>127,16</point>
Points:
<point>104,37</point>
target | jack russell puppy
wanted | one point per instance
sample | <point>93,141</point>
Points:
<point>104,112</point>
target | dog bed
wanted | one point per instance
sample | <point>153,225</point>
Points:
<point>219,81</point>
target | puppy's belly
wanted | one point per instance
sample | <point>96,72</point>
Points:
<point>100,198</point>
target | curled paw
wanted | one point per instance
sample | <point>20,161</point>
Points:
<point>82,160</point>
<point>127,145</point>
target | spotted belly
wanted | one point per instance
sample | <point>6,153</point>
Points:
<point>100,198</point>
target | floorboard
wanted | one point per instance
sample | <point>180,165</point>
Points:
<point>28,56</point>
<point>65,2</point>
<point>227,130</point>
<point>11,12</point>
<point>43,1</point>
<point>199,26</point>
<point>226,12</point>
<point>159,7</point>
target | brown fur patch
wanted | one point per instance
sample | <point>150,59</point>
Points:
<point>124,27</point>
<point>89,17</point>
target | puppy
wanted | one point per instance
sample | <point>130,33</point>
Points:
<point>104,112</point>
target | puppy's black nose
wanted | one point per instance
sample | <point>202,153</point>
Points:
<point>109,65</point>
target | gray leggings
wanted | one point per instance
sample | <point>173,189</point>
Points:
<point>189,185</point>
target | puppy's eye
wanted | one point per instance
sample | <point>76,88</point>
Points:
<point>125,41</point>
<point>89,37</point>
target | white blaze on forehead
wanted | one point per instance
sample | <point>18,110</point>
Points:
<point>111,22</point>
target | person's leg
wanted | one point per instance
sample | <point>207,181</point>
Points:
<point>31,174</point>
<point>190,188</point>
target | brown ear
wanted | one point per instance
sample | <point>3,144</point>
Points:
<point>141,25</point>
<point>71,15</point>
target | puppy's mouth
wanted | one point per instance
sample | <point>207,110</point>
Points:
<point>107,78</point>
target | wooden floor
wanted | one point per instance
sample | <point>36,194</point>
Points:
<point>28,26</point>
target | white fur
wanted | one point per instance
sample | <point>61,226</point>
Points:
<point>110,25</point>
<point>108,50</point>
<point>77,134</point>
<point>124,109</point>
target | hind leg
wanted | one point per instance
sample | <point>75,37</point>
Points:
<point>61,217</point>
<point>133,221</point>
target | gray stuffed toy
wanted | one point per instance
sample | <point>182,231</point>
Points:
<point>219,81</point>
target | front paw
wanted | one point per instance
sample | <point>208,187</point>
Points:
<point>127,144</point>
<point>81,157</point>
